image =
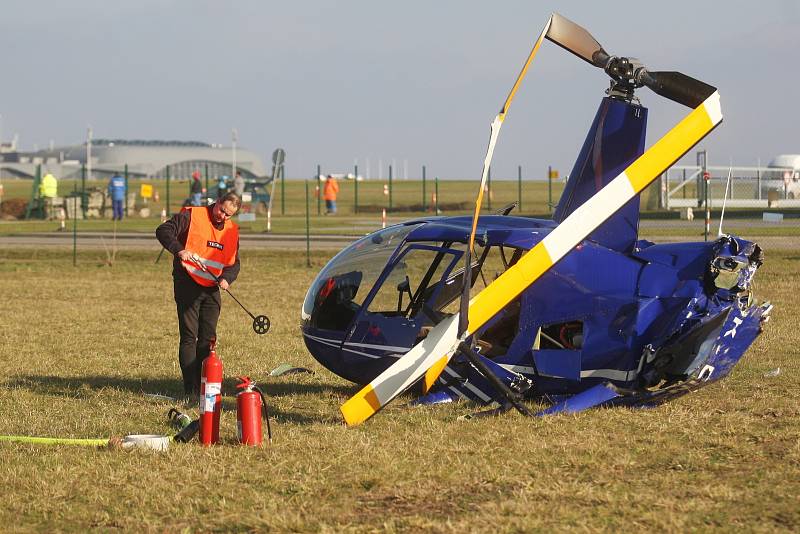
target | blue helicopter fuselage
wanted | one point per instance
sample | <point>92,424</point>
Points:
<point>601,314</point>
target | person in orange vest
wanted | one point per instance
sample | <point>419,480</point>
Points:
<point>204,234</point>
<point>329,194</point>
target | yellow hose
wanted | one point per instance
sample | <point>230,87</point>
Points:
<point>56,441</point>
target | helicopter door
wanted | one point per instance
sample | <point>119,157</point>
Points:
<point>398,307</point>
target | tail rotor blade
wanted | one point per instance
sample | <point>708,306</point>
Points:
<point>576,39</point>
<point>678,87</point>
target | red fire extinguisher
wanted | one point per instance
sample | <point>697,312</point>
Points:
<point>210,397</point>
<point>250,403</point>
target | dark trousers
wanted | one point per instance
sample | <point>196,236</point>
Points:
<point>198,313</point>
<point>116,206</point>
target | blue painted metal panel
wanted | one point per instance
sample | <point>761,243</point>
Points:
<point>615,139</point>
<point>589,398</point>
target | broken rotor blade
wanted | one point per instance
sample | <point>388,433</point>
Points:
<point>487,162</point>
<point>678,87</point>
<point>576,39</point>
<point>434,352</point>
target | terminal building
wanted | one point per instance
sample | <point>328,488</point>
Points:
<point>147,159</point>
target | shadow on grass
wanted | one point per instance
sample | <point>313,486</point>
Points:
<point>68,386</point>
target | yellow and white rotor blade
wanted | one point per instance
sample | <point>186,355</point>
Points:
<point>487,163</point>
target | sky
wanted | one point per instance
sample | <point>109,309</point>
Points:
<point>368,82</point>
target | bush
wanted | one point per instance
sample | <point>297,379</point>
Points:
<point>13,208</point>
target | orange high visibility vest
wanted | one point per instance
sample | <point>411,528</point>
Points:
<point>330,189</point>
<point>216,248</point>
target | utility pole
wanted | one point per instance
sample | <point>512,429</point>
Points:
<point>89,152</point>
<point>234,139</point>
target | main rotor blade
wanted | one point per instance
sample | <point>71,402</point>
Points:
<point>576,39</point>
<point>678,87</point>
<point>434,353</point>
<point>487,162</point>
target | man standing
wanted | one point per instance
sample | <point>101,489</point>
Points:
<point>48,191</point>
<point>238,184</point>
<point>196,190</point>
<point>117,191</point>
<point>329,195</point>
<point>205,244</point>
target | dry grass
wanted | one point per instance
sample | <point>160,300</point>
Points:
<point>80,345</point>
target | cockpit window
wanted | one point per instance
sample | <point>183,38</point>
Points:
<point>412,280</point>
<point>341,287</point>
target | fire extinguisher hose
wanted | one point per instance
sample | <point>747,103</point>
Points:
<point>266,412</point>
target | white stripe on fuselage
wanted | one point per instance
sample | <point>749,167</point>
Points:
<point>611,374</point>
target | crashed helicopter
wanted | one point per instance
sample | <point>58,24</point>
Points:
<point>576,310</point>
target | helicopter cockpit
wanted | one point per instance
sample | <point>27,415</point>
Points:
<point>383,293</point>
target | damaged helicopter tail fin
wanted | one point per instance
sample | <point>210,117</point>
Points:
<point>615,139</point>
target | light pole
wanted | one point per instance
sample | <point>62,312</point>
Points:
<point>89,152</point>
<point>234,138</point>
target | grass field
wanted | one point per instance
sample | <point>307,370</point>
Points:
<point>81,345</point>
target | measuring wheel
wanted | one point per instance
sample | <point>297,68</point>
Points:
<point>261,324</point>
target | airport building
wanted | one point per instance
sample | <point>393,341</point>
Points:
<point>144,159</point>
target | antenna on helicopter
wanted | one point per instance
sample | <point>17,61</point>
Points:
<point>725,200</point>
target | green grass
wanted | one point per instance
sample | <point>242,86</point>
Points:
<point>80,345</point>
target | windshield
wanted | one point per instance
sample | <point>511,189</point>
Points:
<point>340,288</point>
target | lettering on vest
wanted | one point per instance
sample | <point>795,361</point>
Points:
<point>214,244</point>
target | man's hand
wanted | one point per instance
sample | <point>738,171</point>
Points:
<point>185,255</point>
<point>223,284</point>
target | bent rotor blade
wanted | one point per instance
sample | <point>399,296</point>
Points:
<point>487,162</point>
<point>576,39</point>
<point>434,351</point>
<point>678,87</point>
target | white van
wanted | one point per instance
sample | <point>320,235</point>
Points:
<point>787,169</point>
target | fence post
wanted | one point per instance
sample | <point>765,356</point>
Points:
<point>74,223</point>
<point>436,195</point>
<point>702,155</point>
<point>308,231</point>
<point>83,191</point>
<point>390,188</point>
<point>424,200</point>
<point>283,192</point>
<point>550,189</point>
<point>355,188</point>
<point>205,173</point>
<point>169,214</point>
<point>126,190</point>
<point>758,180</point>
<point>318,189</point>
<point>519,188</point>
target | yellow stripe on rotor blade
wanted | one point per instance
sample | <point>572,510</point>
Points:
<point>361,406</point>
<point>432,374</point>
<point>436,349</point>
<point>524,70</point>
<point>679,140</point>
<point>508,285</point>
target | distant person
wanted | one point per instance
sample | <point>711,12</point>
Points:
<point>196,191</point>
<point>48,191</point>
<point>222,186</point>
<point>329,195</point>
<point>117,191</point>
<point>203,234</point>
<point>238,184</point>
